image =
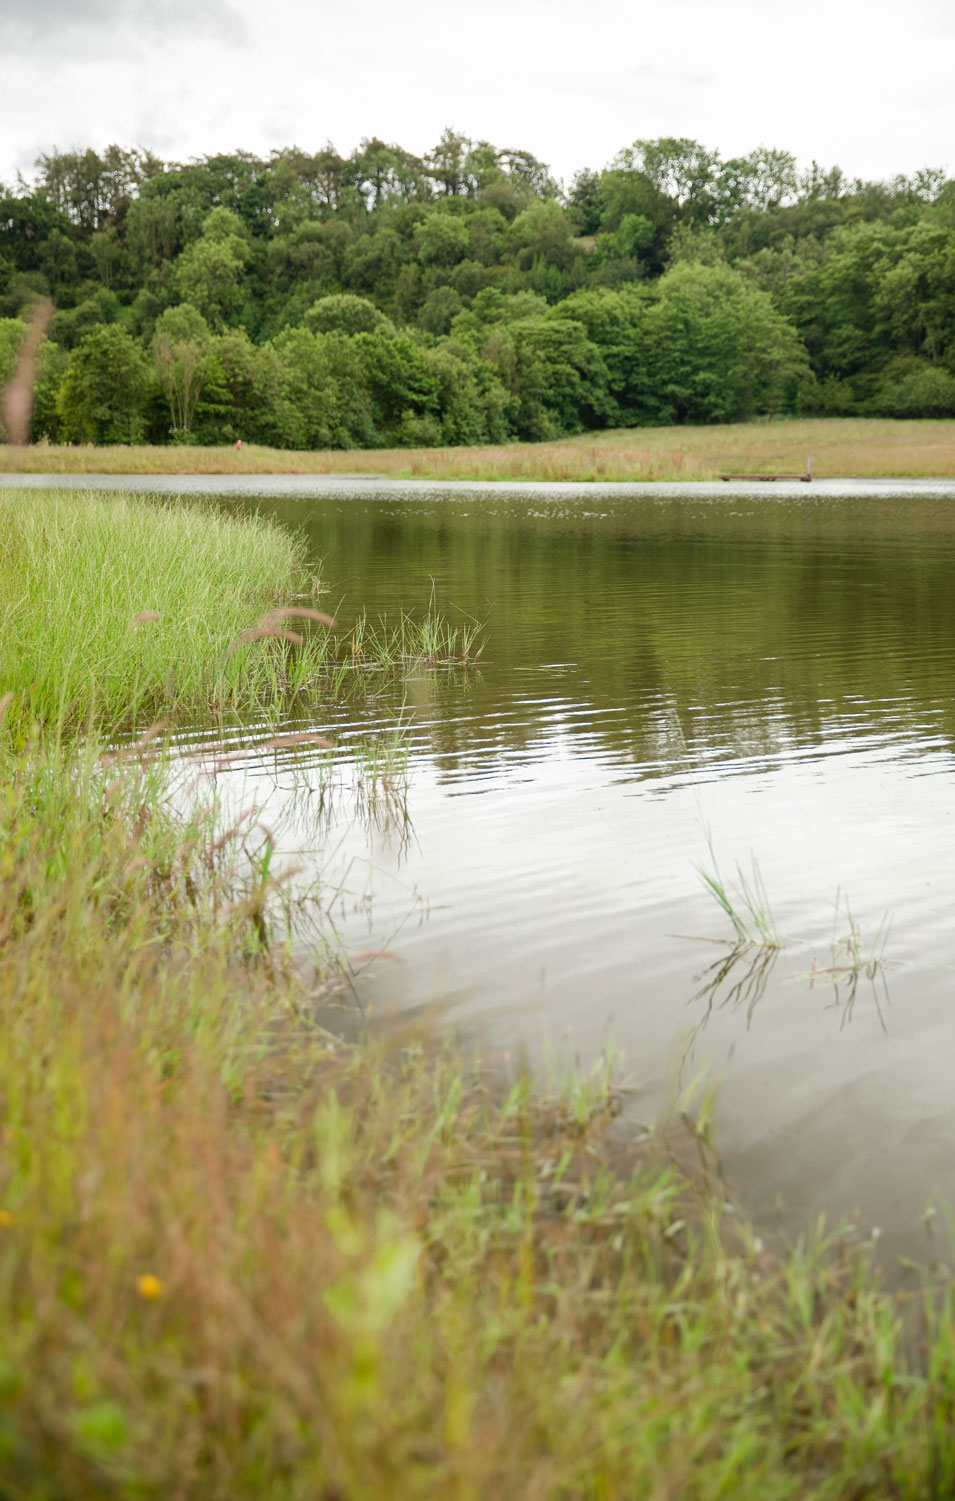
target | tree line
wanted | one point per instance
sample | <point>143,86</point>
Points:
<point>384,299</point>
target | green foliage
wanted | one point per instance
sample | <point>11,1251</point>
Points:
<point>847,279</point>
<point>397,377</point>
<point>584,202</point>
<point>321,399</point>
<point>441,240</point>
<point>71,325</point>
<point>241,393</point>
<point>616,323</point>
<point>25,226</point>
<point>182,353</point>
<point>543,233</point>
<point>555,375</point>
<point>720,352</point>
<point>52,364</point>
<point>11,337</point>
<point>916,291</point>
<point>914,388</point>
<point>103,392</point>
<point>344,313</point>
<point>439,310</point>
<point>209,273</point>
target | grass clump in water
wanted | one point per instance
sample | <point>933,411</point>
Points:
<point>116,609</point>
<point>746,903</point>
<point>413,645</point>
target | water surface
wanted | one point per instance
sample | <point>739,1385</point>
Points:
<point>769,668</point>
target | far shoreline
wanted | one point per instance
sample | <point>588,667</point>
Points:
<point>844,448</point>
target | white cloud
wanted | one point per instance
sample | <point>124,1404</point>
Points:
<point>57,27</point>
<point>862,84</point>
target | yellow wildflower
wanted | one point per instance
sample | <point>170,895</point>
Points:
<point>6,1218</point>
<point>149,1286</point>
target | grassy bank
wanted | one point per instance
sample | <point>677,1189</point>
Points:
<point>854,447</point>
<point>115,610</point>
<point>239,1258</point>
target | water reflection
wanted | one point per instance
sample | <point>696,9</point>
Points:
<point>735,980</point>
<point>738,978</point>
<point>669,637</point>
<point>854,966</point>
<point>781,671</point>
<point>778,668</point>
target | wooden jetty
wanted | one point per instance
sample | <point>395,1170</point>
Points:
<point>805,478</point>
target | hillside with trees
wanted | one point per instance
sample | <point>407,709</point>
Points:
<point>384,299</point>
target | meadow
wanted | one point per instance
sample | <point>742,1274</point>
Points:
<point>240,1256</point>
<point>851,447</point>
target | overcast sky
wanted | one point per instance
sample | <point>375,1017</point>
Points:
<point>866,84</point>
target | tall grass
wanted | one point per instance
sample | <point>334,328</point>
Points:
<point>115,610</point>
<point>840,446</point>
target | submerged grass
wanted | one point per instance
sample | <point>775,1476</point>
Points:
<point>853,960</point>
<point>413,645</point>
<point>840,446</point>
<point>240,1258</point>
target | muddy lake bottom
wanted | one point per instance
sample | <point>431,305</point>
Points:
<point>670,674</point>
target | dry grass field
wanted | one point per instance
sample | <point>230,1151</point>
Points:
<point>840,447</point>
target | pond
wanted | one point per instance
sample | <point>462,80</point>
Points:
<point>673,678</point>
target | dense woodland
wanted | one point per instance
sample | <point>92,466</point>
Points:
<point>382,299</point>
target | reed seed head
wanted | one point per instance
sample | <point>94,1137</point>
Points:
<point>299,612</point>
<point>264,633</point>
<point>286,742</point>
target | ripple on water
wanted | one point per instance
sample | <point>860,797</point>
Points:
<point>774,671</point>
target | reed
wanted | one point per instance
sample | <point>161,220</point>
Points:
<point>413,644</point>
<point>116,609</point>
<point>743,898</point>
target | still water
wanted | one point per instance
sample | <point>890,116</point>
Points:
<point>768,670</point>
